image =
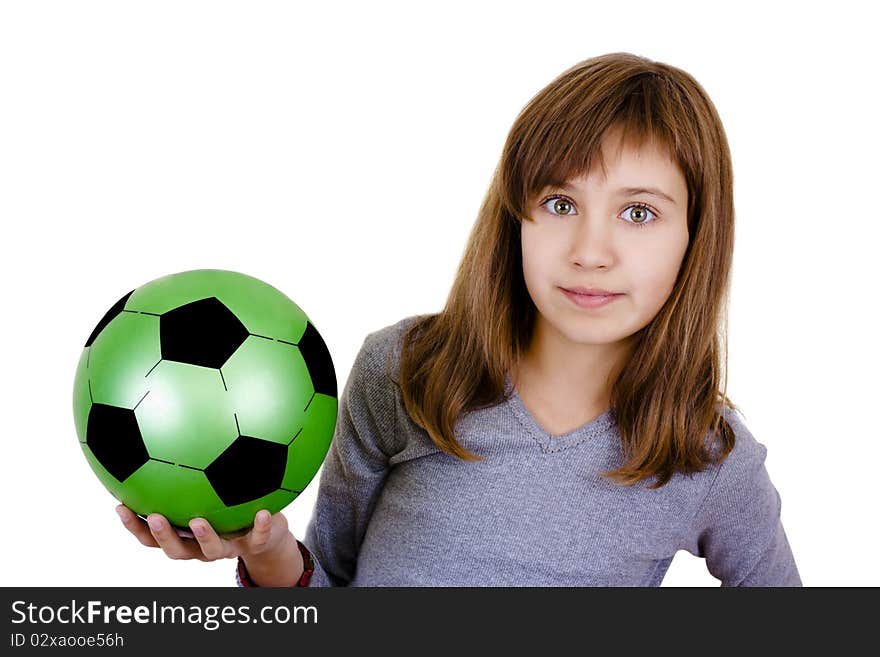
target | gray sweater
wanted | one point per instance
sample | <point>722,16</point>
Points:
<point>394,510</point>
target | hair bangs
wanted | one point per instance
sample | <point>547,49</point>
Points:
<point>549,152</point>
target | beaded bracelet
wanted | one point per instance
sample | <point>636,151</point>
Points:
<point>308,568</point>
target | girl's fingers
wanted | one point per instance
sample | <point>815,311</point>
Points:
<point>170,542</point>
<point>136,526</point>
<point>208,546</point>
<point>259,536</point>
<point>213,547</point>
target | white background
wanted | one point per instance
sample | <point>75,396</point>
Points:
<point>340,152</point>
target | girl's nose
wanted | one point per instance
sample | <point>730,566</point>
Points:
<point>591,242</point>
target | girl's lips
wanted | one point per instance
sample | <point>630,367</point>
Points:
<point>595,291</point>
<point>590,300</point>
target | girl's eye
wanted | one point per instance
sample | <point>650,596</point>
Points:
<point>561,205</point>
<point>638,212</point>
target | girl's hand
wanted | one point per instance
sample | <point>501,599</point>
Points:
<point>269,549</point>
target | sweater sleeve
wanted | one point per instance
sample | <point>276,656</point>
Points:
<point>738,527</point>
<point>354,471</point>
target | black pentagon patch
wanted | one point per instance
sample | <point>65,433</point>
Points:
<point>108,317</point>
<point>317,357</point>
<point>203,332</point>
<point>248,469</point>
<point>113,435</point>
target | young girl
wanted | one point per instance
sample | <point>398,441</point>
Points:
<point>560,422</point>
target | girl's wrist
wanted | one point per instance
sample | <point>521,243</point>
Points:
<point>281,567</point>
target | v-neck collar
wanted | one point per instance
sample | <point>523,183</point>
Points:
<point>547,441</point>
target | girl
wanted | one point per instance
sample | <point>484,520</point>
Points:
<point>562,421</point>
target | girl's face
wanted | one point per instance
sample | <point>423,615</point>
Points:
<point>602,233</point>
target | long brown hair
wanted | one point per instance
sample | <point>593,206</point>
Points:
<point>666,399</point>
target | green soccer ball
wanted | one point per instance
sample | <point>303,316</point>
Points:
<point>206,393</point>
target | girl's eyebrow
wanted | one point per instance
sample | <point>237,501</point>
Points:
<point>653,191</point>
<point>624,191</point>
